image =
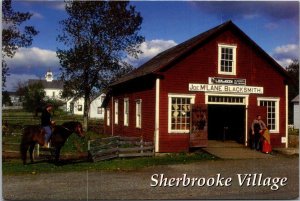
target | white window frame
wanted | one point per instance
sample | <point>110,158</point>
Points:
<point>233,47</point>
<point>138,113</point>
<point>277,111</point>
<point>126,111</point>
<point>116,112</point>
<point>108,117</point>
<point>170,96</point>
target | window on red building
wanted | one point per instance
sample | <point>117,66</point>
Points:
<point>227,59</point>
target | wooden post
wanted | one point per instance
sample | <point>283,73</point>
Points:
<point>89,145</point>
<point>142,145</point>
<point>38,150</point>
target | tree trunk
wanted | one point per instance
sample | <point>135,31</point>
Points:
<point>86,112</point>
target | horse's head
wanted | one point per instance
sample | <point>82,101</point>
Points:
<point>78,129</point>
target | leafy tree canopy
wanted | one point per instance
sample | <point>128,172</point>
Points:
<point>34,95</point>
<point>98,36</point>
<point>12,35</point>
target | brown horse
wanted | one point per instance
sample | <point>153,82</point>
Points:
<point>32,134</point>
<point>35,134</point>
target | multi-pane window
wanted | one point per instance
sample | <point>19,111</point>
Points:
<point>116,111</point>
<point>108,117</point>
<point>179,114</point>
<point>236,100</point>
<point>138,113</point>
<point>227,59</point>
<point>126,112</point>
<point>272,113</point>
<point>99,110</point>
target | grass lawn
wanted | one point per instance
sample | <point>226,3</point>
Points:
<point>15,167</point>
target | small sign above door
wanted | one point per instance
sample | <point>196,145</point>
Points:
<point>230,81</point>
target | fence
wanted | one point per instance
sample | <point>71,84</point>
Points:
<point>12,150</point>
<point>9,148</point>
<point>118,147</point>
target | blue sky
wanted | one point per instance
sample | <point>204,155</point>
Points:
<point>273,25</point>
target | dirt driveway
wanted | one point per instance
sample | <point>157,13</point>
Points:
<point>137,184</point>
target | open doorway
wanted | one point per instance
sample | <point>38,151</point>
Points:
<point>226,122</point>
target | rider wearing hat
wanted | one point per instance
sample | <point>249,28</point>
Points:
<point>47,122</point>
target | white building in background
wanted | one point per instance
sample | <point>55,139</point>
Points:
<point>76,106</point>
<point>53,88</point>
<point>96,111</point>
<point>295,101</point>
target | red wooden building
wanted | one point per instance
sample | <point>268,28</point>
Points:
<point>210,87</point>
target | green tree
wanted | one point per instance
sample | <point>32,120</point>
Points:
<point>34,95</point>
<point>6,100</point>
<point>293,71</point>
<point>12,35</point>
<point>98,35</point>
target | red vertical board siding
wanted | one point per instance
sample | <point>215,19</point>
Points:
<point>203,63</point>
<point>148,112</point>
<point>196,67</point>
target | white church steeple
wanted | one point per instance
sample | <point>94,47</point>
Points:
<point>49,76</point>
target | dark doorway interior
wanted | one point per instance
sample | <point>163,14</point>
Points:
<point>226,122</point>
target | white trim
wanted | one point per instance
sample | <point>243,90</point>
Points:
<point>176,95</point>
<point>112,115</point>
<point>107,117</point>
<point>170,96</point>
<point>245,102</point>
<point>286,115</point>
<point>116,110</point>
<point>246,126</point>
<point>156,131</point>
<point>138,103</point>
<point>234,47</point>
<point>126,115</point>
<point>277,111</point>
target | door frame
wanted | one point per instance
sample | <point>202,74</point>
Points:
<point>219,96</point>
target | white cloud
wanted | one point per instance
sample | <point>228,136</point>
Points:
<point>285,62</point>
<point>150,49</point>
<point>36,15</point>
<point>32,59</point>
<point>285,54</point>
<point>58,5</point>
<point>30,63</point>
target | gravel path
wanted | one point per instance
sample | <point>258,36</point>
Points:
<point>136,184</point>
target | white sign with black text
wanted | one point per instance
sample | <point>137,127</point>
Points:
<point>226,88</point>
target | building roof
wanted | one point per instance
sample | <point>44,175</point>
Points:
<point>296,99</point>
<point>171,55</point>
<point>54,84</point>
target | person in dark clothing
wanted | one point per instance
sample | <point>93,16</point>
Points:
<point>257,126</point>
<point>46,122</point>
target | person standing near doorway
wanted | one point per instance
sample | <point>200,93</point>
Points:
<point>47,123</point>
<point>257,126</point>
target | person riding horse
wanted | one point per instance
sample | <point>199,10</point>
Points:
<point>47,123</point>
<point>33,134</point>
